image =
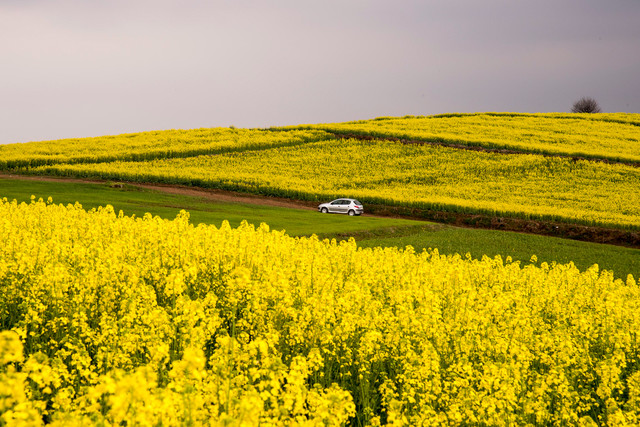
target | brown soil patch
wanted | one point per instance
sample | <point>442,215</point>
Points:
<point>229,196</point>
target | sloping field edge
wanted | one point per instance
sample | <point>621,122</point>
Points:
<point>365,136</point>
<point>14,165</point>
<point>593,234</point>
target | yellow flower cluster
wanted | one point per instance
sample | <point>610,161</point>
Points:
<point>149,145</point>
<point>420,176</point>
<point>107,319</point>
<point>607,136</point>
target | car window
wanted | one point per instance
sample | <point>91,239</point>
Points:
<point>357,202</point>
<point>346,202</point>
<point>336,202</point>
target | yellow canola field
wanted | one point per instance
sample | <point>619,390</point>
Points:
<point>149,145</point>
<point>114,320</point>
<point>420,176</point>
<point>604,136</point>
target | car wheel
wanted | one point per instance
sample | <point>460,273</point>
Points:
<point>324,210</point>
<point>352,212</point>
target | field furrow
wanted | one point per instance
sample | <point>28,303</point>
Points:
<point>612,137</point>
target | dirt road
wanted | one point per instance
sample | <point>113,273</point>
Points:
<point>204,193</point>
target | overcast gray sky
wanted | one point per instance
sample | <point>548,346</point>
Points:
<point>85,68</point>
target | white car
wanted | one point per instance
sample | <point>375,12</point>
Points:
<point>350,207</point>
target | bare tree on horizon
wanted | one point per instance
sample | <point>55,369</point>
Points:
<point>586,105</point>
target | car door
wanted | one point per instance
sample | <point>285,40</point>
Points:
<point>335,206</point>
<point>344,206</point>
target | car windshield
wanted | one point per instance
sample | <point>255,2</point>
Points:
<point>357,202</point>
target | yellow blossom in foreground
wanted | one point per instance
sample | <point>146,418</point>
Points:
<point>111,320</point>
